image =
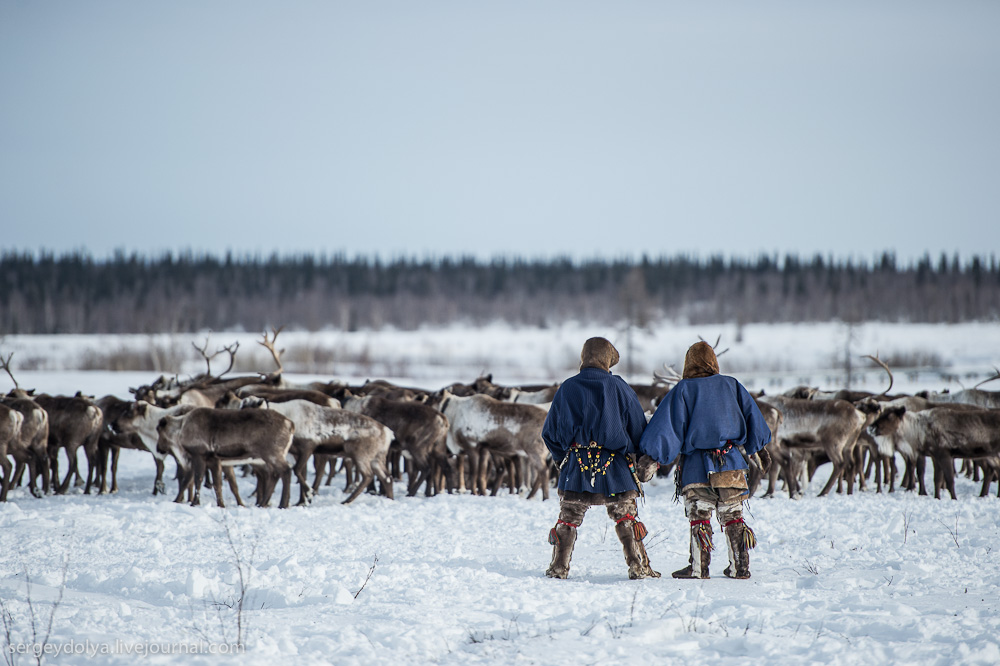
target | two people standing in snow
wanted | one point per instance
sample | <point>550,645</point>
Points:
<point>596,425</point>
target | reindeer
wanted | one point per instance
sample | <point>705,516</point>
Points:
<point>221,437</point>
<point>138,421</point>
<point>10,434</point>
<point>30,449</point>
<point>941,433</point>
<point>420,434</point>
<point>112,441</point>
<point>973,396</point>
<point>482,427</point>
<point>74,421</point>
<point>338,432</point>
<point>831,427</point>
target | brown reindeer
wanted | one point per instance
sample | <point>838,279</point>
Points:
<point>207,436</point>
<point>74,422</point>
<point>830,427</point>
<point>942,433</point>
<point>420,433</point>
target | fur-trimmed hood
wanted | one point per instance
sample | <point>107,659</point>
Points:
<point>598,353</point>
<point>700,361</point>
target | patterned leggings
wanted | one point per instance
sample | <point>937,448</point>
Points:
<point>728,502</point>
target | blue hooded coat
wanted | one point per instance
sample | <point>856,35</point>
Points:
<point>594,406</point>
<point>700,415</point>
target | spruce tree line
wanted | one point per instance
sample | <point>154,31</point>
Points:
<point>188,292</point>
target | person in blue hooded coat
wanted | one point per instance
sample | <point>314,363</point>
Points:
<point>703,422</point>
<point>592,429</point>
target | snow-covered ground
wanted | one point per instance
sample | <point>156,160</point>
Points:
<point>458,579</point>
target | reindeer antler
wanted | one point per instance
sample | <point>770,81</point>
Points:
<point>5,364</point>
<point>231,350</point>
<point>669,379</point>
<point>882,364</point>
<point>203,350</point>
<point>989,379</point>
<point>718,353</point>
<point>269,345</point>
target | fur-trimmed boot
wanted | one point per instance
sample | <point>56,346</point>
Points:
<point>631,533</point>
<point>740,539</point>
<point>701,551</point>
<point>563,538</point>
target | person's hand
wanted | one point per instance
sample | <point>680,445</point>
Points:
<point>645,468</point>
<point>765,460</point>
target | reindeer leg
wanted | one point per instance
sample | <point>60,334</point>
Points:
<point>835,477</point>
<point>54,470</point>
<point>378,467</point>
<point>319,465</point>
<point>349,473</point>
<point>286,487</point>
<point>198,477</point>
<point>8,473</point>
<point>217,481</point>
<point>366,477</point>
<point>158,486</point>
<point>949,478</point>
<point>183,484</point>
<point>115,453</point>
<point>541,480</point>
<point>482,470</point>
<point>234,486</point>
<point>921,467</point>
<point>501,474</point>
<point>70,472</point>
<point>302,457</point>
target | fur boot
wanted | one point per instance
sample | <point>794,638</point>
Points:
<point>635,553</point>
<point>701,551</point>
<point>563,538</point>
<point>740,539</point>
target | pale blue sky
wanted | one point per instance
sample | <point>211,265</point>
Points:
<point>519,128</point>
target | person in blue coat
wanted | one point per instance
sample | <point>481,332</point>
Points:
<point>703,422</point>
<point>592,429</point>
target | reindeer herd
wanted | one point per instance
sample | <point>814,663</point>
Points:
<point>479,437</point>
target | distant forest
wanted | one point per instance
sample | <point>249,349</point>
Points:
<point>188,292</point>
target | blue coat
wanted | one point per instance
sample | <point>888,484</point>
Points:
<point>702,414</point>
<point>594,406</point>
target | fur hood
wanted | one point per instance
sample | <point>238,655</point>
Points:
<point>598,353</point>
<point>700,361</point>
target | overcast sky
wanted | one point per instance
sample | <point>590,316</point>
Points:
<point>432,128</point>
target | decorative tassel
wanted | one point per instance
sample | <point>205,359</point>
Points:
<point>640,530</point>
<point>749,538</point>
<point>702,531</point>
